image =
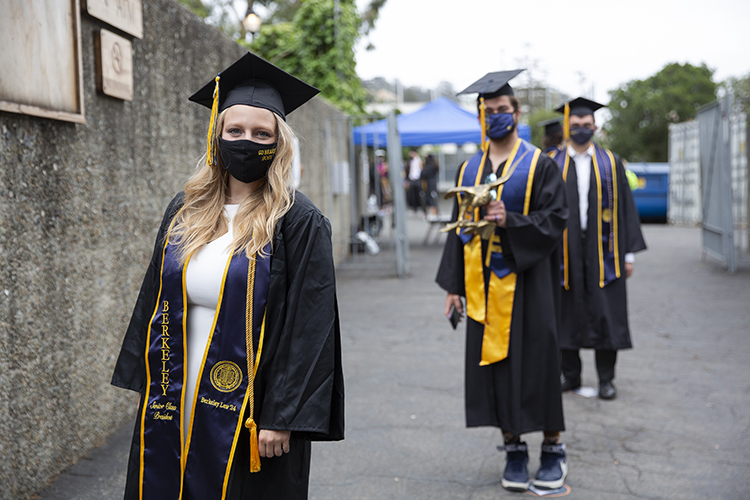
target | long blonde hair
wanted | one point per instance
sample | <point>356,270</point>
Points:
<point>202,218</point>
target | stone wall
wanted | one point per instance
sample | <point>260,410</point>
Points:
<point>79,209</point>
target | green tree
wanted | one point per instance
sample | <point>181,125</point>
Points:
<point>312,39</point>
<point>740,88</point>
<point>643,109</point>
<point>198,7</point>
<point>317,46</point>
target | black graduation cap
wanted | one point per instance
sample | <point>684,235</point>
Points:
<point>493,84</point>
<point>580,106</point>
<point>551,126</point>
<point>256,82</point>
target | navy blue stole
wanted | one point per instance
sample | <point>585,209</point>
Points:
<point>605,174</point>
<point>491,302</point>
<point>515,193</point>
<point>198,468</point>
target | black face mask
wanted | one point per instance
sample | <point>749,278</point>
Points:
<point>246,161</point>
<point>581,135</point>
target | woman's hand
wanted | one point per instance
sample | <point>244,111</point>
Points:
<point>273,443</point>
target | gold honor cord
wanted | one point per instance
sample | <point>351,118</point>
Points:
<point>566,279</point>
<point>250,423</point>
<point>614,245</point>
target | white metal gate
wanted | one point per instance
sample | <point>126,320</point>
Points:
<point>377,237</point>
<point>724,182</point>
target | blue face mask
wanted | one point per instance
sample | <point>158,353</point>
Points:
<point>499,125</point>
<point>581,135</point>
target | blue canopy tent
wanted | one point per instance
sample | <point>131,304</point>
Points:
<point>439,122</point>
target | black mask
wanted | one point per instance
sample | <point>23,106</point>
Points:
<point>581,135</point>
<point>246,161</point>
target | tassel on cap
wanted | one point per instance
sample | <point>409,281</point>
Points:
<point>566,122</point>
<point>254,452</point>
<point>482,115</point>
<point>210,150</point>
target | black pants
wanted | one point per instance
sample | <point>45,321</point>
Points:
<point>570,364</point>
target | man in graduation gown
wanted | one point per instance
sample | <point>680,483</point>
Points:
<point>598,247</point>
<point>553,135</point>
<point>511,284</point>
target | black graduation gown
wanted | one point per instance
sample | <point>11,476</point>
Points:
<point>299,385</point>
<point>594,317</point>
<point>521,393</point>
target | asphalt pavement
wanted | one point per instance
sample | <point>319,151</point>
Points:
<point>679,428</point>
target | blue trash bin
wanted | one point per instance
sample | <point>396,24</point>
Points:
<point>652,194</point>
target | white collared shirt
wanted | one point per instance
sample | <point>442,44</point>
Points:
<point>583,174</point>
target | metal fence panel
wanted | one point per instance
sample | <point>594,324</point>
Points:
<point>377,238</point>
<point>684,205</point>
<point>718,224</point>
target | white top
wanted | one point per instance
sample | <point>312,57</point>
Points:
<point>583,174</point>
<point>203,284</point>
<point>415,168</point>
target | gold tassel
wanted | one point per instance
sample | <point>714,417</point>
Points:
<point>210,153</point>
<point>254,453</point>
<point>484,125</point>
<point>566,122</point>
<point>250,423</point>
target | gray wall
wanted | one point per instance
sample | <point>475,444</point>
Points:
<point>79,208</point>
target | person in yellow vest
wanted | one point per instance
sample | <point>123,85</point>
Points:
<point>234,342</point>
<point>598,247</point>
<point>511,285</point>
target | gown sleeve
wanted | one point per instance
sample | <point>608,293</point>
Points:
<point>450,275</point>
<point>529,239</point>
<point>130,370</point>
<point>300,386</point>
<point>634,241</point>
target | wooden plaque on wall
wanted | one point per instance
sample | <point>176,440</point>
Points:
<point>40,60</point>
<point>125,15</point>
<point>114,65</point>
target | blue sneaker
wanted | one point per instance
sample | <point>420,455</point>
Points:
<point>553,468</point>
<point>516,475</point>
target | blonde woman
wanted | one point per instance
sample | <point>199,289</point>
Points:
<point>234,342</point>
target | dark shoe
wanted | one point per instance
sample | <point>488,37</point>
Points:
<point>607,390</point>
<point>516,475</point>
<point>568,384</point>
<point>553,468</point>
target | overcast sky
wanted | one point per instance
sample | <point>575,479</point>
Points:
<point>574,46</point>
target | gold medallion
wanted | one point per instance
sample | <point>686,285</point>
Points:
<point>607,215</point>
<point>226,376</point>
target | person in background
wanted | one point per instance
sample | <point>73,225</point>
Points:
<point>429,184</point>
<point>603,233</point>
<point>414,167</point>
<point>511,285</point>
<point>381,165</point>
<point>553,135</point>
<point>234,342</point>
